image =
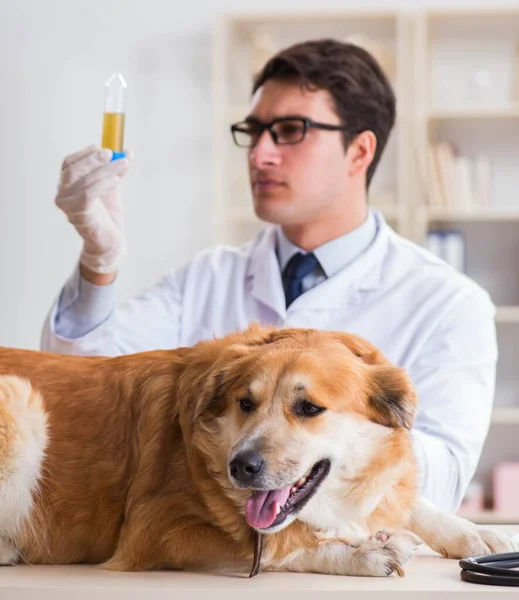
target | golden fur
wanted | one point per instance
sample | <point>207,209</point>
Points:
<point>125,461</point>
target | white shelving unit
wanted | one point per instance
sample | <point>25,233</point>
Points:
<point>456,77</point>
<point>467,74</point>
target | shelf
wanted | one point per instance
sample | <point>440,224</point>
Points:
<point>505,415</point>
<point>311,17</point>
<point>475,113</point>
<point>473,23</point>
<point>474,12</point>
<point>489,517</point>
<point>507,314</point>
<point>477,214</point>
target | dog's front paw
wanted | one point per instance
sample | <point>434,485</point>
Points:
<point>472,540</point>
<point>384,553</point>
<point>8,553</point>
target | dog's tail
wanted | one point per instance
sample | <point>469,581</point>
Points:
<point>23,439</point>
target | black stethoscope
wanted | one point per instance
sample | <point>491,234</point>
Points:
<point>491,570</point>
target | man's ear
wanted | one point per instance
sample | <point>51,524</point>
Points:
<point>362,151</point>
<point>392,399</point>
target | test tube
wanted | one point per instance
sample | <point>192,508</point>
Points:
<point>115,109</point>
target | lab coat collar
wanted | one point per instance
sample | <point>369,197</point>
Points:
<point>335,255</point>
<point>263,272</point>
<point>343,288</point>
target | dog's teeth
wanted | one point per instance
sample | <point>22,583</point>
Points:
<point>278,509</point>
<point>293,490</point>
<point>302,481</point>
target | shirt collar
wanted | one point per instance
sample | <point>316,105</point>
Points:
<point>335,254</point>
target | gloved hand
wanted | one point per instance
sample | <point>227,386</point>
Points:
<point>88,193</point>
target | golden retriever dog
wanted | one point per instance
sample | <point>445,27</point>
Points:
<point>292,447</point>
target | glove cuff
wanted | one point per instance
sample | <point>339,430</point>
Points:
<point>105,263</point>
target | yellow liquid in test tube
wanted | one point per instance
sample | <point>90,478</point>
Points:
<point>115,109</point>
<point>113,131</point>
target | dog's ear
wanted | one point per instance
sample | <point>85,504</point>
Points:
<point>225,368</point>
<point>212,401</point>
<point>360,347</point>
<point>391,396</point>
<point>392,399</point>
<point>214,366</point>
<point>255,335</point>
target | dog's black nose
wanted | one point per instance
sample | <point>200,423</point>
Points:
<point>246,467</point>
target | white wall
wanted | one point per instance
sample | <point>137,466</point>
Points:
<point>55,57</point>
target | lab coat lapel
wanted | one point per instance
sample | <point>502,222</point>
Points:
<point>264,275</point>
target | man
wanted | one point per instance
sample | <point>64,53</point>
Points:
<point>320,117</point>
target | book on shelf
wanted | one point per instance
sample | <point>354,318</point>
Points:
<point>505,486</point>
<point>473,502</point>
<point>456,181</point>
<point>482,178</point>
<point>449,245</point>
<point>517,74</point>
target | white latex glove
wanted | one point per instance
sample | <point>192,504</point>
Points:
<point>88,194</point>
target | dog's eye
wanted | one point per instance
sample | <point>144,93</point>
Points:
<point>246,405</point>
<point>305,408</point>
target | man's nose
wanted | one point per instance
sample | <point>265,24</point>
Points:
<point>265,151</point>
<point>247,467</point>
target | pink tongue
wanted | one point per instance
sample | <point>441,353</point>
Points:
<point>260,508</point>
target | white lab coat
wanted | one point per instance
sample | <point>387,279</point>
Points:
<point>422,314</point>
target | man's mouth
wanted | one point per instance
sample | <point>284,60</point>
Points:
<point>267,184</point>
<point>266,509</point>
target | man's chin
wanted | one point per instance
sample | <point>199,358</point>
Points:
<point>272,210</point>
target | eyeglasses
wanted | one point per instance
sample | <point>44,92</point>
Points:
<point>285,130</point>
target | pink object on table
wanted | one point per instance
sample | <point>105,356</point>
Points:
<point>473,502</point>
<point>506,487</point>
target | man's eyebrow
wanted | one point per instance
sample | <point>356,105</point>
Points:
<point>254,119</point>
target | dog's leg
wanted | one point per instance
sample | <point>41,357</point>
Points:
<point>378,555</point>
<point>23,438</point>
<point>192,546</point>
<point>8,553</point>
<point>205,547</point>
<point>453,536</point>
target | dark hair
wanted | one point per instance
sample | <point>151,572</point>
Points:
<point>363,97</point>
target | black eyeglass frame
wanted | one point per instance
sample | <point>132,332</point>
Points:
<point>307,124</point>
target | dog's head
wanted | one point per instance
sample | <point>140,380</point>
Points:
<point>278,411</point>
